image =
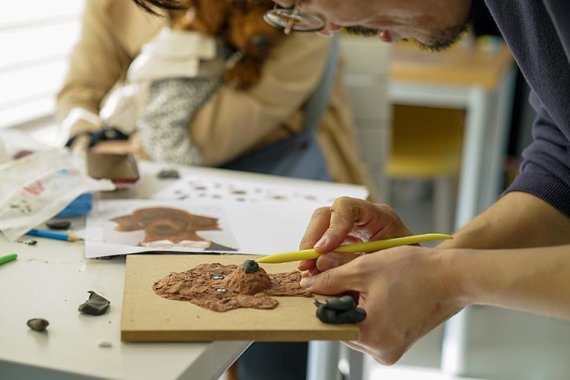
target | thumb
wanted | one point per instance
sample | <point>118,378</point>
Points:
<point>334,281</point>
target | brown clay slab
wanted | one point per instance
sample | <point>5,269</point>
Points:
<point>148,317</point>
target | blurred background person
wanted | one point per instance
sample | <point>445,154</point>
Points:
<point>227,124</point>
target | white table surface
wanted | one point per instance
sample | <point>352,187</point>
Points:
<point>50,280</point>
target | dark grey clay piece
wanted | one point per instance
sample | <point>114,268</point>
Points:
<point>38,324</point>
<point>168,174</point>
<point>58,224</point>
<point>95,305</point>
<point>250,266</point>
<point>30,242</point>
<point>341,303</point>
<point>340,310</point>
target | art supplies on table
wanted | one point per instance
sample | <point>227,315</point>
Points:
<point>37,187</point>
<point>7,258</point>
<point>56,235</point>
<point>370,246</point>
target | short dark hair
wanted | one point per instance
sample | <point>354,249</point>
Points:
<point>151,5</point>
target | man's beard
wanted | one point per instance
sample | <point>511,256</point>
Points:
<point>361,31</point>
<point>440,40</point>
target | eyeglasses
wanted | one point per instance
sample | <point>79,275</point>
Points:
<point>293,19</point>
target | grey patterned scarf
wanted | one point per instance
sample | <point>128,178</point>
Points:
<point>163,125</point>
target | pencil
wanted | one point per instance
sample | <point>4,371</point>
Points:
<point>52,235</point>
<point>371,246</point>
<point>8,258</point>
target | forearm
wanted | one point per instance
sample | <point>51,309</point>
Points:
<point>535,280</point>
<point>517,220</point>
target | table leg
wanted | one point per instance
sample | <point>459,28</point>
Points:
<point>496,145</point>
<point>473,148</point>
<point>478,106</point>
<point>322,363</point>
<point>454,344</point>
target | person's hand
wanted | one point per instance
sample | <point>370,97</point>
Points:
<point>405,291</point>
<point>349,220</point>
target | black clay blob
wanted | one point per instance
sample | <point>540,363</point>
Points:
<point>58,225</point>
<point>340,310</point>
<point>95,305</point>
<point>250,266</point>
<point>168,174</point>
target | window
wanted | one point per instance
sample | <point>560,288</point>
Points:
<point>36,37</point>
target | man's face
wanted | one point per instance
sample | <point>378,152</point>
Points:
<point>434,23</point>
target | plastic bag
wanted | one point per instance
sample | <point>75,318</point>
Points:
<point>35,188</point>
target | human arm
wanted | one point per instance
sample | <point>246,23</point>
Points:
<point>517,220</point>
<point>96,63</point>
<point>407,291</point>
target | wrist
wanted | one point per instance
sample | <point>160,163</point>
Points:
<point>454,260</point>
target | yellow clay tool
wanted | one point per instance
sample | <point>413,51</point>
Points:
<point>370,246</point>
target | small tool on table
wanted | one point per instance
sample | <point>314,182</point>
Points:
<point>7,258</point>
<point>52,235</point>
<point>371,246</point>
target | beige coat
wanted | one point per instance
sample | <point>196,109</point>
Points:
<point>232,122</point>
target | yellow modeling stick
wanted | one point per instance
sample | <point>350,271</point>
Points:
<point>370,246</point>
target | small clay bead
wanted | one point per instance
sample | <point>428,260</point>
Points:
<point>104,343</point>
<point>58,224</point>
<point>250,266</point>
<point>168,174</point>
<point>38,324</point>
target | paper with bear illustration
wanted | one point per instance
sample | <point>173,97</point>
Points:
<point>120,227</point>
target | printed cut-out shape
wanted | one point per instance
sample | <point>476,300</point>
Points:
<point>38,324</point>
<point>166,227</point>
<point>340,310</point>
<point>95,304</point>
<point>237,288</point>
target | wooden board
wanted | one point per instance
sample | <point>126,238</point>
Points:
<point>148,317</point>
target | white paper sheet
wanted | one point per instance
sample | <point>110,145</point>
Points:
<point>264,214</point>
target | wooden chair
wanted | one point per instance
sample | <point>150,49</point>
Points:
<point>426,144</point>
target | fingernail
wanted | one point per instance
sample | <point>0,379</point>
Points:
<point>322,242</point>
<point>326,262</point>
<point>306,282</point>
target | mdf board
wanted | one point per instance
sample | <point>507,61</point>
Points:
<point>148,317</point>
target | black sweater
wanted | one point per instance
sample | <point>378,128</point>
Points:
<point>538,33</point>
